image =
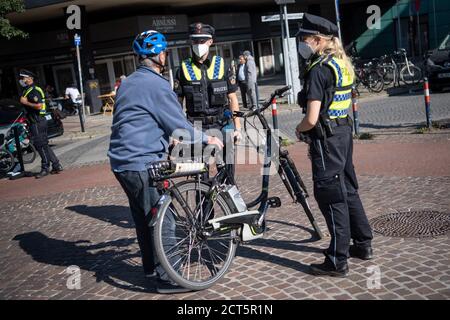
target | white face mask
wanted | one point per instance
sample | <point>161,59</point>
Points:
<point>22,83</point>
<point>200,49</point>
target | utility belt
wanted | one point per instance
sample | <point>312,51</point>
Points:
<point>207,120</point>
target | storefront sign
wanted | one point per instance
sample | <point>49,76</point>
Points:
<point>164,24</point>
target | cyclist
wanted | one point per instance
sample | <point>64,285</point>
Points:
<point>209,88</point>
<point>146,113</point>
<point>327,127</point>
<point>33,98</point>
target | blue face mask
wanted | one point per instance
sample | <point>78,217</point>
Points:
<point>305,50</point>
<point>22,83</point>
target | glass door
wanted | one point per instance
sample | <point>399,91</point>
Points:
<point>104,69</point>
<point>64,76</point>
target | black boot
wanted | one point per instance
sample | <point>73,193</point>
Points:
<point>328,269</point>
<point>43,173</point>
<point>56,169</point>
<point>363,253</point>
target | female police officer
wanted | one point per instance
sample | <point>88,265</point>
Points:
<point>327,127</point>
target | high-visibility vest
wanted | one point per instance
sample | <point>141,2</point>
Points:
<point>205,95</point>
<point>43,111</point>
<point>342,99</point>
<point>215,71</point>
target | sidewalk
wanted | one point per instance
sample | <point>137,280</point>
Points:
<point>95,125</point>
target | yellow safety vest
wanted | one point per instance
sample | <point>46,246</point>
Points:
<point>42,112</point>
<point>215,71</point>
<point>342,99</point>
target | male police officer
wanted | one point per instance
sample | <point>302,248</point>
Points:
<point>326,97</point>
<point>33,99</point>
<point>209,87</point>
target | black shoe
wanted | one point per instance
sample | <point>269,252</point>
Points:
<point>167,287</point>
<point>328,269</point>
<point>41,174</point>
<point>57,169</point>
<point>363,253</point>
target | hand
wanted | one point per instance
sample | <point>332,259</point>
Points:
<point>216,141</point>
<point>237,135</point>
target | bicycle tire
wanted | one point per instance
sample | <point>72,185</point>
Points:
<point>6,161</point>
<point>174,274</point>
<point>375,81</point>
<point>411,76</point>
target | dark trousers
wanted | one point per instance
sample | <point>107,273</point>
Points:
<point>336,192</point>
<point>142,197</point>
<point>243,88</point>
<point>38,130</point>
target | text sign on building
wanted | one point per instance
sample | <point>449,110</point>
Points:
<point>164,24</point>
<point>276,17</point>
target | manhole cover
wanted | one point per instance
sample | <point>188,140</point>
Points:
<point>412,224</point>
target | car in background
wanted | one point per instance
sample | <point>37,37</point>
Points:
<point>11,110</point>
<point>438,66</point>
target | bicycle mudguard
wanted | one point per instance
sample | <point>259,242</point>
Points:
<point>163,201</point>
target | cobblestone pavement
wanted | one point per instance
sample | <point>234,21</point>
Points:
<point>90,227</point>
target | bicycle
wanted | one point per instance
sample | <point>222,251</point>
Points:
<point>368,75</point>
<point>397,66</point>
<point>197,225</point>
<point>8,148</point>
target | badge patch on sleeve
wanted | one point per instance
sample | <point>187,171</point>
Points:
<point>36,99</point>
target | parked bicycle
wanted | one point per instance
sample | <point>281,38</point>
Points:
<point>8,148</point>
<point>368,75</point>
<point>397,67</point>
<point>199,224</point>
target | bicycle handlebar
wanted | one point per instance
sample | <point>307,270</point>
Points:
<point>277,93</point>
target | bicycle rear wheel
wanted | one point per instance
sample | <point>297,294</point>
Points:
<point>193,258</point>
<point>411,75</point>
<point>375,81</point>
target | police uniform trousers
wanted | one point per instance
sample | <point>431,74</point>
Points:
<point>38,130</point>
<point>336,192</point>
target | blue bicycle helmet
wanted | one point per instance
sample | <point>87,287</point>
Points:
<point>149,43</point>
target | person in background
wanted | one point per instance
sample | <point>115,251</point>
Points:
<point>33,98</point>
<point>118,82</point>
<point>73,96</point>
<point>242,80</point>
<point>251,76</point>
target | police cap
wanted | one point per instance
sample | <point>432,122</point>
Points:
<point>200,30</point>
<point>26,73</point>
<point>317,25</point>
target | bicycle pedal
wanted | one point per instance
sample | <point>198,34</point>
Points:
<point>274,202</point>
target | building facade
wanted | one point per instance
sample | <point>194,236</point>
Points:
<point>109,26</point>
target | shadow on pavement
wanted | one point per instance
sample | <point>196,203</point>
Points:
<point>250,253</point>
<point>109,265</point>
<point>116,215</point>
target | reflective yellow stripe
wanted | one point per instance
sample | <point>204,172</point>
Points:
<point>215,71</point>
<point>42,111</point>
<point>217,68</point>
<point>342,100</point>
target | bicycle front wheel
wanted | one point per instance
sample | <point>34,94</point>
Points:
<point>6,161</point>
<point>411,75</point>
<point>375,81</point>
<point>194,256</point>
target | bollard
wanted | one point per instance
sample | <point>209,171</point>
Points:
<point>274,113</point>
<point>355,112</point>
<point>426,92</point>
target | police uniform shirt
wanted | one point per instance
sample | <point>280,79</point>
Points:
<point>319,85</point>
<point>181,81</point>
<point>34,96</point>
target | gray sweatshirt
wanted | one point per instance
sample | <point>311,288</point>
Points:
<point>146,113</point>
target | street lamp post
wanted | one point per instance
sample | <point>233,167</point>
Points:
<point>285,36</point>
<point>77,41</point>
